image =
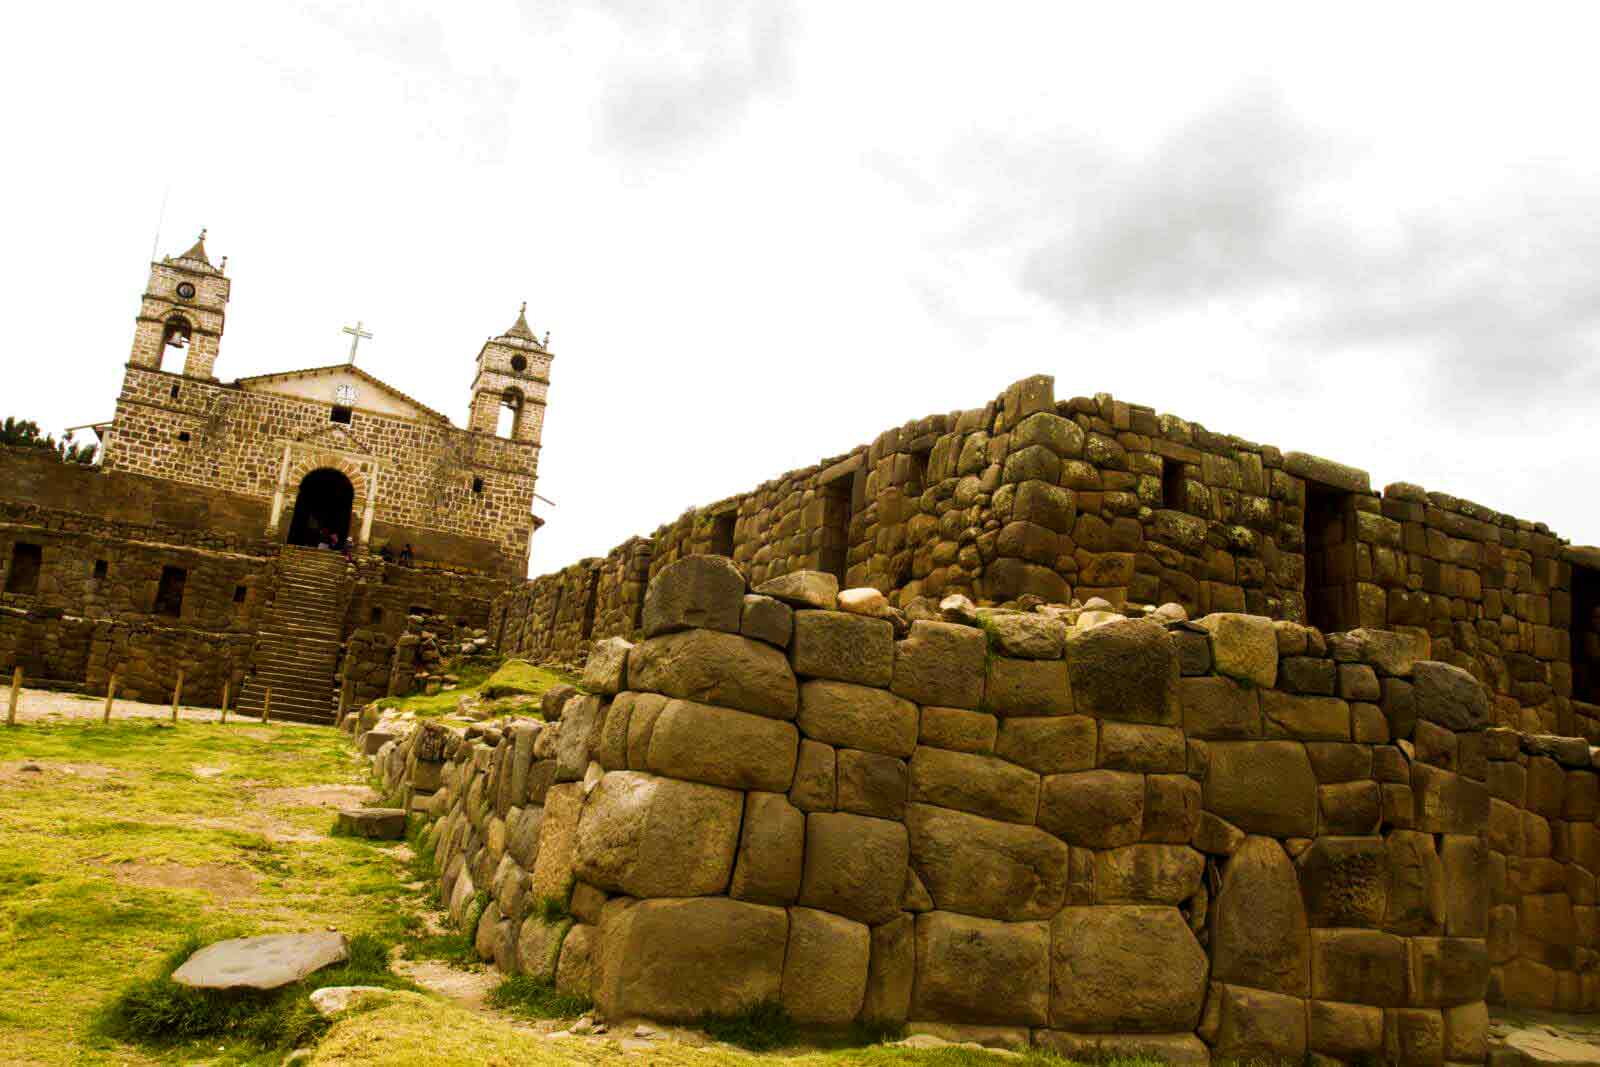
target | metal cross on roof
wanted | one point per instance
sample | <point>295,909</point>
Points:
<point>356,335</point>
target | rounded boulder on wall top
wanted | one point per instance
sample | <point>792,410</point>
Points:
<point>696,591</point>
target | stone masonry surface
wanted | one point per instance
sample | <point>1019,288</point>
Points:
<point>1235,837</point>
<point>1030,496</point>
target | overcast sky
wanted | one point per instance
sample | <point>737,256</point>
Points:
<point>761,233</point>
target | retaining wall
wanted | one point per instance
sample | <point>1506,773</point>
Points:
<point>1100,835</point>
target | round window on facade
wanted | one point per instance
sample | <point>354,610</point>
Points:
<point>185,291</point>
<point>519,363</point>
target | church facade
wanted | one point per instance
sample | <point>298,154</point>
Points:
<point>332,447</point>
<point>192,546</point>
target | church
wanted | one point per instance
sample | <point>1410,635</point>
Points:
<point>195,545</point>
<point>331,448</point>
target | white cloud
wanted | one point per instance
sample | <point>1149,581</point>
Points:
<point>761,234</point>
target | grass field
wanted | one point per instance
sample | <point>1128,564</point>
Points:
<point>132,836</point>
<point>119,843</point>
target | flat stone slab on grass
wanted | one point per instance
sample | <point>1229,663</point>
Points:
<point>382,824</point>
<point>266,962</point>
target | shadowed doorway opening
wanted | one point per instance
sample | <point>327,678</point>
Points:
<point>323,503</point>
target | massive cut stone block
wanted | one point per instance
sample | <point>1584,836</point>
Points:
<point>1125,967</point>
<point>1416,884</point>
<point>1244,647</point>
<point>940,663</point>
<point>704,592</point>
<point>1449,696</point>
<point>1263,787</point>
<point>858,716</point>
<point>716,668</point>
<point>1358,966</point>
<point>1305,718</point>
<point>719,746</point>
<point>1220,709</point>
<point>772,843</point>
<point>676,960</point>
<point>606,669</point>
<point>645,836</point>
<point>1253,1024</point>
<point>1259,933</point>
<point>1345,881</point>
<point>825,969</point>
<point>1147,874</point>
<point>981,867</point>
<point>1095,809</point>
<point>1445,971</point>
<point>981,970</point>
<point>872,784</point>
<point>892,971</point>
<point>979,784</point>
<point>1027,687</point>
<point>854,866</point>
<point>552,873</point>
<point>1125,670</point>
<point>1345,1031</point>
<point>1052,744</point>
<point>842,646</point>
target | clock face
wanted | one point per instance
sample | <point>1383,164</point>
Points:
<point>185,291</point>
<point>345,395</point>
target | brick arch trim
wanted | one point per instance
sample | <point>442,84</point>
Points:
<point>303,464</point>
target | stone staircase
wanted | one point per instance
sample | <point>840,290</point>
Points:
<point>297,648</point>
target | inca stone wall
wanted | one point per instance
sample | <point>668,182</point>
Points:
<point>1029,496</point>
<point>1100,835</point>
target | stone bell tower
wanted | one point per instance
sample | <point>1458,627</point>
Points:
<point>183,307</point>
<point>513,373</point>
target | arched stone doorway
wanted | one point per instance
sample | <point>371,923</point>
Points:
<point>322,502</point>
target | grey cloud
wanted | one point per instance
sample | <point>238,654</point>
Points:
<point>1249,203</point>
<point>691,70</point>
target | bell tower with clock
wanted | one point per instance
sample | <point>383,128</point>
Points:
<point>183,307</point>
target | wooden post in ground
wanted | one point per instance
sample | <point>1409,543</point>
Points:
<point>177,695</point>
<point>266,703</point>
<point>111,694</point>
<point>227,684</point>
<point>16,694</point>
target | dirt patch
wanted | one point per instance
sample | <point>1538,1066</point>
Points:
<point>41,770</point>
<point>215,878</point>
<point>468,988</point>
<point>333,797</point>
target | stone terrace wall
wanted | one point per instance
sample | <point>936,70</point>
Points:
<point>71,651</point>
<point>1086,497</point>
<point>1099,835</point>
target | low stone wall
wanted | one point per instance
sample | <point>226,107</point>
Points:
<point>58,650</point>
<point>1099,835</point>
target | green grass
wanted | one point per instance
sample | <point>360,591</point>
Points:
<point>536,998</point>
<point>485,678</point>
<point>518,677</point>
<point>760,1028</point>
<point>118,853</point>
<point>160,1013</point>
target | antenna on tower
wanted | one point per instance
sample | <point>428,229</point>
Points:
<point>161,216</point>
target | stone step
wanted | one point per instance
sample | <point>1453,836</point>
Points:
<point>303,701</point>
